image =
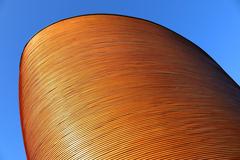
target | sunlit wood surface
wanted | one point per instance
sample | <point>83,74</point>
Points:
<point>113,87</point>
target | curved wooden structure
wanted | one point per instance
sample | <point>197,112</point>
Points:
<point>115,87</point>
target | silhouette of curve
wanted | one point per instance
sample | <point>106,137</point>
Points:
<point>116,87</point>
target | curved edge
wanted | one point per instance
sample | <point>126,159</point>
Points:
<point>117,15</point>
<point>132,17</point>
<point>20,111</point>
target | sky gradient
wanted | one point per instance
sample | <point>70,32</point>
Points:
<point>212,25</point>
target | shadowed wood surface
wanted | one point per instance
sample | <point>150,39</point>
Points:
<point>115,87</point>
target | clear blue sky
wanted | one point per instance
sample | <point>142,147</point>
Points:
<point>213,25</point>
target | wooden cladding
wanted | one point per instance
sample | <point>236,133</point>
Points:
<point>115,87</point>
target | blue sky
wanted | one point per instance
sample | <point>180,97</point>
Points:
<point>212,25</point>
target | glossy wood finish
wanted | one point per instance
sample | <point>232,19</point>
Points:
<point>114,87</point>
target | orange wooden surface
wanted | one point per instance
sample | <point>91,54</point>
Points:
<point>114,87</point>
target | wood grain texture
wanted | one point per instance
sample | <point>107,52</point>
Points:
<point>115,87</point>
